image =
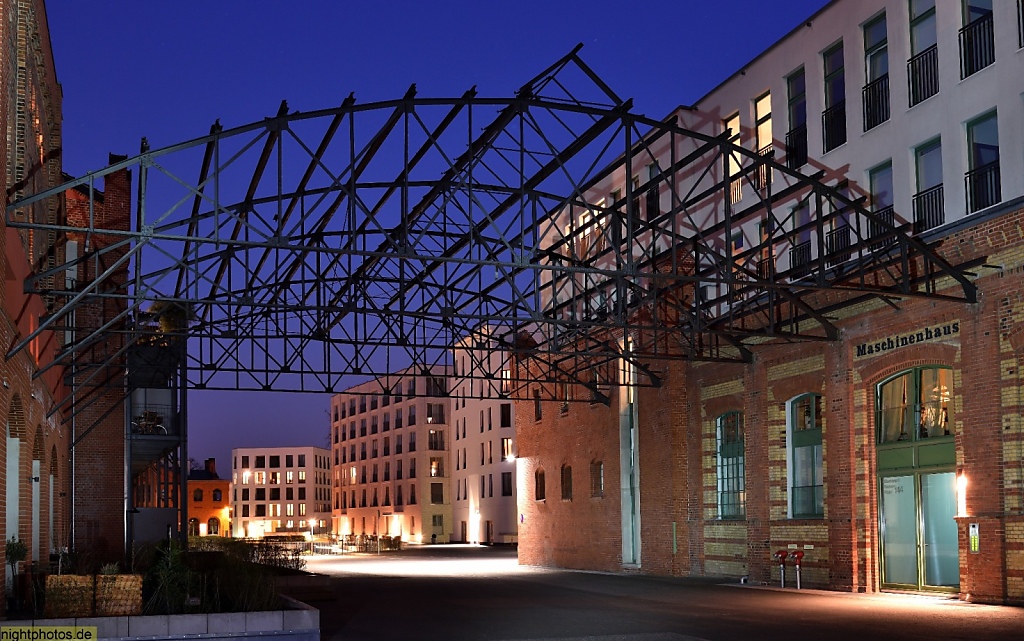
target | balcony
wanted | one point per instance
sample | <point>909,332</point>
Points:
<point>796,147</point>
<point>983,187</point>
<point>833,126</point>
<point>977,46</point>
<point>763,176</point>
<point>923,75</point>
<point>800,258</point>
<point>876,102</point>
<point>877,229</point>
<point>928,209</point>
<point>837,245</point>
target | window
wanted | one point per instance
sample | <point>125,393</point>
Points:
<point>362,404</point>
<point>412,468</point>
<point>398,495</point>
<point>537,413</point>
<point>490,451</point>
<point>806,498</point>
<point>387,470</point>
<point>731,464</point>
<point>411,389</point>
<point>880,183</point>
<point>275,494</point>
<point>197,495</point>
<point>977,43</point>
<point>796,137</point>
<point>982,181</point>
<point>596,478</point>
<point>435,440</point>
<point>275,461</point>
<point>362,451</point>
<point>566,478</point>
<point>373,402</point>
<point>412,415</point>
<point>538,485</point>
<point>289,510</point>
<point>245,461</point>
<point>398,444</point>
<point>506,483</point>
<point>261,509</point>
<point>245,510</point>
<point>833,119</point>
<point>412,441</point>
<point>373,425</point>
<point>289,494</point>
<point>928,201</point>
<point>373,449</point>
<point>387,445</point>
<point>261,461</point>
<point>302,476</point>
<point>373,477</point>
<point>302,494</point>
<point>398,470</point>
<point>876,65</point>
<point>437,493</point>
<point>387,421</point>
<point>914,405</point>
<point>260,478</point>
<point>437,520</point>
<point>412,495</point>
<point>923,66</point>
<point>732,129</point>
<point>506,450</point>
<point>245,494</point>
<point>436,466</point>
<point>398,418</point>
<point>763,137</point>
<point>289,460</point>
<point>362,427</point>
<point>505,417</point>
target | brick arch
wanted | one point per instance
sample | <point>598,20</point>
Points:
<point>914,356</point>
<point>16,418</point>
<point>715,407</point>
<point>789,388</point>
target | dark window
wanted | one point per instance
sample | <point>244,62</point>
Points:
<point>245,461</point>
<point>302,494</point>
<point>275,461</point>
<point>261,461</point>
<point>537,412</point>
<point>876,63</point>
<point>302,460</point>
<point>796,138</point>
<point>261,494</point>
<point>218,496</point>
<point>261,509</point>
<point>977,41</point>
<point>807,496</point>
<point>923,66</point>
<point>506,414</point>
<point>437,493</point>
<point>833,119</point>
<point>539,492</point>
<point>596,478</point>
<point>506,483</point>
<point>275,494</point>
<point>197,495</point>
<point>731,466</point>
<point>566,483</point>
<point>928,201</point>
<point>982,182</point>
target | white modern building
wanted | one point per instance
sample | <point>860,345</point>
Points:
<point>392,472</point>
<point>484,443</point>
<point>280,490</point>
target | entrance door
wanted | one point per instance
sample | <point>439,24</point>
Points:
<point>919,535</point>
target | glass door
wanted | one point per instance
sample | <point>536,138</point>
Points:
<point>918,531</point>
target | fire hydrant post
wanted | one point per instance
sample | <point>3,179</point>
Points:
<point>780,556</point>
<point>798,557</point>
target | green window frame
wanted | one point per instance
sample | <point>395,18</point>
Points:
<point>915,404</point>
<point>806,483</point>
<point>731,466</point>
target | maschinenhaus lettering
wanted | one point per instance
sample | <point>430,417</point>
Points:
<point>896,341</point>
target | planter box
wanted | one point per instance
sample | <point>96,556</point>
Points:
<point>69,595</point>
<point>118,595</point>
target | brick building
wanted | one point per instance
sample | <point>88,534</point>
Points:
<point>893,455</point>
<point>390,440</point>
<point>209,501</point>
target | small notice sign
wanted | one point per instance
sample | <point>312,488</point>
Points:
<point>974,536</point>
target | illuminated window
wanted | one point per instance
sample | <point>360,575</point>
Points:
<point>915,405</point>
<point>806,499</point>
<point>506,449</point>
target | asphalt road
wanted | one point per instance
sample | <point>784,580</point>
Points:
<point>467,592</point>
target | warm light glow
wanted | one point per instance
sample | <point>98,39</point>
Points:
<point>245,477</point>
<point>961,494</point>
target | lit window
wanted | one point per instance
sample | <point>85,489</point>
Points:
<point>806,498</point>
<point>731,466</point>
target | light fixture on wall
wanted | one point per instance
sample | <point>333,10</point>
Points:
<point>33,479</point>
<point>7,385</point>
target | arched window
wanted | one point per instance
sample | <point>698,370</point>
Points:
<point>539,492</point>
<point>806,481</point>
<point>193,527</point>
<point>732,493</point>
<point>217,496</point>
<point>915,405</point>
<point>197,495</point>
<point>566,482</point>
<point>213,527</point>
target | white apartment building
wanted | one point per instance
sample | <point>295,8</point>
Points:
<point>392,472</point>
<point>280,490</point>
<point>484,444</point>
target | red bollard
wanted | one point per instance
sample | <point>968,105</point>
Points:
<point>798,557</point>
<point>780,556</point>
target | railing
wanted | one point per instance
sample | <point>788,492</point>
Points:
<point>878,229</point>
<point>799,258</point>
<point>153,420</point>
<point>983,187</point>
<point>763,268</point>
<point>833,125</point>
<point>928,209</point>
<point>977,46</point>
<point>923,75</point>
<point>808,501</point>
<point>763,176</point>
<point>837,242</point>
<point>876,102</point>
<point>796,147</point>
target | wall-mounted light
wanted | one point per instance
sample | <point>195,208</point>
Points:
<point>961,492</point>
<point>7,385</point>
<point>33,479</point>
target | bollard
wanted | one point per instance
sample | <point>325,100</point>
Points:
<point>798,557</point>
<point>780,556</point>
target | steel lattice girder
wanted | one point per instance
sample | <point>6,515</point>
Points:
<point>368,238</point>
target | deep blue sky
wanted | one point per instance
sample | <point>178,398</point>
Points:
<point>167,69</point>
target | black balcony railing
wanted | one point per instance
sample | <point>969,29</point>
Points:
<point>837,245</point>
<point>796,147</point>
<point>763,176</point>
<point>983,187</point>
<point>876,102</point>
<point>977,46</point>
<point>800,258</point>
<point>878,228</point>
<point>923,75</point>
<point>833,125</point>
<point>763,268</point>
<point>928,209</point>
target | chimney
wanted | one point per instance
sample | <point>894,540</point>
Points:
<point>211,467</point>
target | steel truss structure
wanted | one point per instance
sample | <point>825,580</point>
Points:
<point>369,239</point>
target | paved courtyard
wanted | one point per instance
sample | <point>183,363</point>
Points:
<point>468,592</point>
